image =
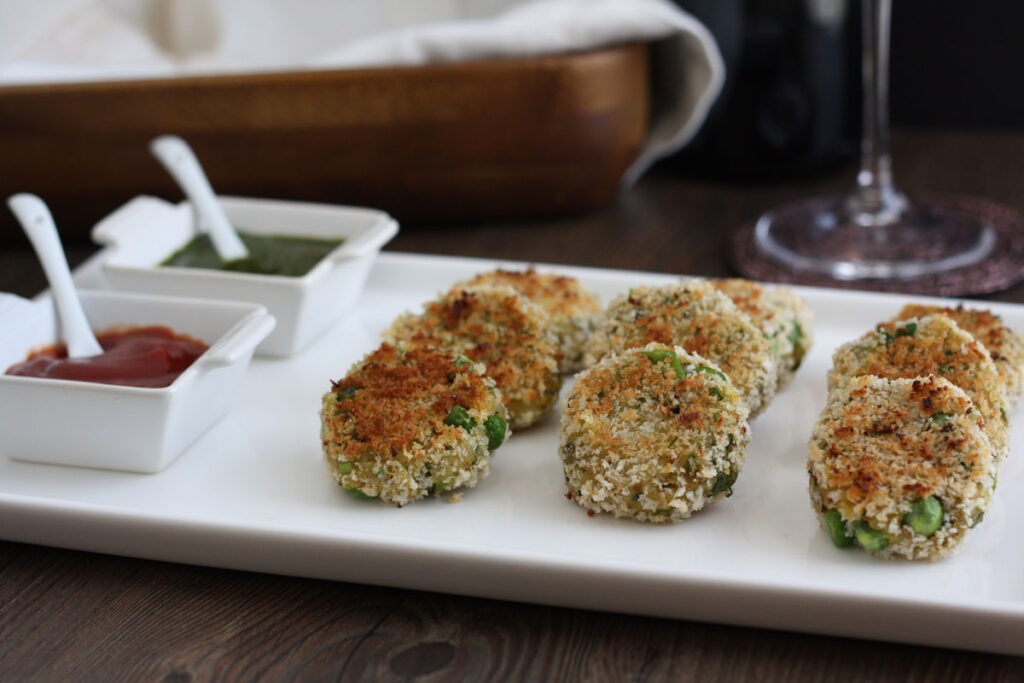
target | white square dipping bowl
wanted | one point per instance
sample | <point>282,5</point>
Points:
<point>147,230</point>
<point>136,429</point>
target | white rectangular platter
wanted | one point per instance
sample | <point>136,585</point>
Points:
<point>253,494</point>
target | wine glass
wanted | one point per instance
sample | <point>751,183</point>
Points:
<point>874,232</point>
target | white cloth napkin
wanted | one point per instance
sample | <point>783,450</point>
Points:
<point>688,67</point>
<point>122,39</point>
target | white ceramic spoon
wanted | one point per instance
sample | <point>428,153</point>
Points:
<point>38,224</point>
<point>181,162</point>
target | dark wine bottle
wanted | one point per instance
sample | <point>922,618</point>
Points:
<point>790,104</point>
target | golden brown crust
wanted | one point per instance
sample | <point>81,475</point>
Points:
<point>503,330</point>
<point>377,399</point>
<point>873,454</point>
<point>1005,347</point>
<point>571,308</point>
<point>883,445</point>
<point>694,315</point>
<point>749,296</point>
<point>556,294</point>
<point>781,314</point>
<point>931,345</point>
<point>653,433</point>
<point>405,423</point>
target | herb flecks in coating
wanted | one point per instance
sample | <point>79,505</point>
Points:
<point>389,437</point>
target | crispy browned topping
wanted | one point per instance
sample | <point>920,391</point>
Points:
<point>932,345</point>
<point>501,329</point>
<point>781,315</point>
<point>609,389</point>
<point>653,434</point>
<point>747,295</point>
<point>702,320</point>
<point>705,336</point>
<point>570,307</point>
<point>983,326</point>
<point>907,356</point>
<point>390,399</point>
<point>884,450</point>
<point>1003,345</point>
<point>555,293</point>
<point>494,334</point>
<point>898,445</point>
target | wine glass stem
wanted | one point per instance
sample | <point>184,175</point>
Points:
<point>876,201</point>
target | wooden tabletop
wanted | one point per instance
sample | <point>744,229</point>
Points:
<point>68,615</point>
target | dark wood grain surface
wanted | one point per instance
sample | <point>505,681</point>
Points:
<point>78,616</point>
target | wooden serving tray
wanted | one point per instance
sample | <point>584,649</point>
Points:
<point>497,139</point>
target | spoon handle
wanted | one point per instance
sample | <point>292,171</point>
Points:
<point>38,224</point>
<point>181,162</point>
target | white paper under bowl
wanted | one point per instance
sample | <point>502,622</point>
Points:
<point>145,231</point>
<point>135,429</point>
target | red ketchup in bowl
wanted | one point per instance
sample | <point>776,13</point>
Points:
<point>135,357</point>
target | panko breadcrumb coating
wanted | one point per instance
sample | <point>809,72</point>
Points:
<point>901,466</point>
<point>781,314</point>
<point>653,433</point>
<point>694,315</point>
<point>1003,344</point>
<point>570,306</point>
<point>930,345</point>
<point>405,423</point>
<point>503,330</point>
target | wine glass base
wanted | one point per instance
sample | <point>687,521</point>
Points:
<point>822,236</point>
